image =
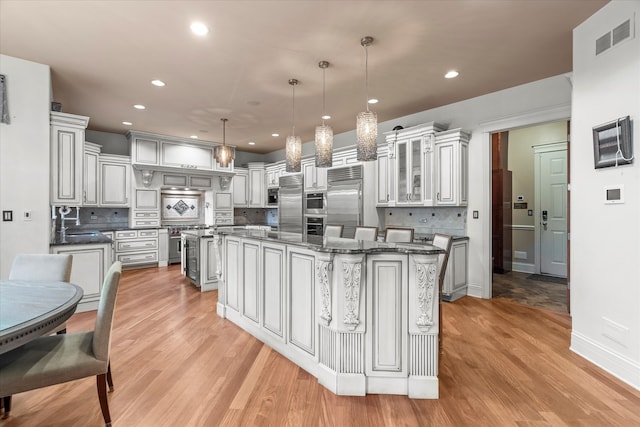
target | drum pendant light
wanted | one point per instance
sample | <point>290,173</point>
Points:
<point>324,133</point>
<point>293,149</point>
<point>367,121</point>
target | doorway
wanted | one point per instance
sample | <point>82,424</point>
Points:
<point>529,182</point>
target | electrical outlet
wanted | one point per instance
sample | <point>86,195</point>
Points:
<point>423,220</point>
<point>475,215</point>
<point>28,215</point>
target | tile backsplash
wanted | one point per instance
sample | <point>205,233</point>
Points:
<point>244,216</point>
<point>99,219</point>
<point>449,220</point>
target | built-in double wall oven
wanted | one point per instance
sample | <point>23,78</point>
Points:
<point>315,213</point>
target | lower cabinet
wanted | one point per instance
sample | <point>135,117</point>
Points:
<point>90,264</point>
<point>135,247</point>
<point>455,278</point>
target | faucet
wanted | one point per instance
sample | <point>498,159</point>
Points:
<point>64,211</point>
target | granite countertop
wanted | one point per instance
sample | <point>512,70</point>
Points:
<point>81,238</point>
<point>319,243</point>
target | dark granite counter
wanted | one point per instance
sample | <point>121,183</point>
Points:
<point>81,238</point>
<point>318,243</point>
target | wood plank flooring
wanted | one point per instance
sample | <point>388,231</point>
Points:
<point>176,363</point>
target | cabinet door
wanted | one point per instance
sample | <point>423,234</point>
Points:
<point>223,201</point>
<point>446,174</point>
<point>309,173</point>
<point>382,189</point>
<point>174,180</point>
<point>146,199</point>
<point>257,188</point>
<point>67,147</point>
<point>114,184</point>
<point>179,155</point>
<point>409,173</point>
<point>200,182</point>
<point>90,179</point>
<point>464,175</point>
<point>240,189</point>
<point>145,151</point>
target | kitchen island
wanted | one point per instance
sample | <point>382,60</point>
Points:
<point>360,316</point>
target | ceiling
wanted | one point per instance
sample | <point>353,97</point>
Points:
<point>103,55</point>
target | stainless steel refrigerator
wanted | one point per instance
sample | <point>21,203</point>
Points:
<point>290,215</point>
<point>344,198</point>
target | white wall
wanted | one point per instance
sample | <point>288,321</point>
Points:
<point>605,239</point>
<point>24,160</point>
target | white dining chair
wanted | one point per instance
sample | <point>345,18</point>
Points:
<point>333,230</point>
<point>57,359</point>
<point>398,235</point>
<point>366,233</point>
<point>43,267</point>
<point>442,241</point>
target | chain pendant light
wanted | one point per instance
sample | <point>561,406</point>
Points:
<point>324,133</point>
<point>223,153</point>
<point>367,121</point>
<point>293,150</point>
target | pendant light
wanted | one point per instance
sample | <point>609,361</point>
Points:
<point>293,150</point>
<point>324,133</point>
<point>223,153</point>
<point>367,121</point>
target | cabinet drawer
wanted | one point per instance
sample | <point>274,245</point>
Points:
<point>136,245</point>
<point>138,258</point>
<point>146,223</point>
<point>224,221</point>
<point>147,214</point>
<point>126,234</point>
<point>147,233</point>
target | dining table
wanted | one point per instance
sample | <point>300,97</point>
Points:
<point>30,309</point>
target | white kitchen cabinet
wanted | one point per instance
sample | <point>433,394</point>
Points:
<point>200,182</point>
<point>344,158</point>
<point>90,264</point>
<point>163,247</point>
<point>186,156</point>
<point>385,175</point>
<point>452,168</point>
<point>223,209</point>
<point>145,150</point>
<point>273,173</point>
<point>67,155</point>
<point>249,189</point>
<point>455,278</point>
<point>135,247</point>
<point>315,179</point>
<point>91,174</point>
<point>241,188</point>
<point>115,180</point>
<point>257,187</point>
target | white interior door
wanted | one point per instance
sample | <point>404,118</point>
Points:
<point>552,212</point>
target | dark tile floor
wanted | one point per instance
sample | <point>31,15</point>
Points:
<point>538,293</point>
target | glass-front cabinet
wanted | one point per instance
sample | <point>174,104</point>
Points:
<point>410,171</point>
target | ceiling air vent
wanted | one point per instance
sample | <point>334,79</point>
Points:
<point>621,32</point>
<point>614,37</point>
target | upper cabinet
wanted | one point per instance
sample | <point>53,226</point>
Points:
<point>249,188</point>
<point>171,153</point>
<point>67,155</point>
<point>423,166</point>
<point>90,174</point>
<point>115,180</point>
<point>273,173</point>
<point>315,179</point>
<point>452,168</point>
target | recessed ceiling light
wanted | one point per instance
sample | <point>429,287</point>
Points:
<point>199,29</point>
<point>127,123</point>
<point>451,74</point>
<point>139,107</point>
<point>252,143</point>
<point>373,101</point>
<point>194,137</point>
<point>158,83</point>
<point>275,134</point>
<point>326,117</point>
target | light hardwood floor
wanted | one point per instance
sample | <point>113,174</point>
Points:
<point>176,363</point>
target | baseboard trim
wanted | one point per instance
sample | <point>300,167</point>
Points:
<point>523,267</point>
<point>474,290</point>
<point>621,367</point>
